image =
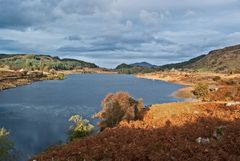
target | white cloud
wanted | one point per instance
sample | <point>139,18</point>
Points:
<point>150,18</point>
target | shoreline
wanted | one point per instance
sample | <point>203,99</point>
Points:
<point>12,79</point>
<point>184,92</point>
<point>219,84</point>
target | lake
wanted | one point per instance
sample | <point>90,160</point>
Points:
<point>37,115</point>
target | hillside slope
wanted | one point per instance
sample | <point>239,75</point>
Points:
<point>221,60</point>
<point>41,62</point>
<point>168,132</point>
<point>226,59</point>
<point>182,64</point>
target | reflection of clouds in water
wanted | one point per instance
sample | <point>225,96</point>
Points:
<point>42,125</point>
<point>23,111</point>
<point>39,135</point>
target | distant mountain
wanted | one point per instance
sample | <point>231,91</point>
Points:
<point>143,64</point>
<point>41,62</point>
<point>124,66</point>
<point>139,64</point>
<point>221,60</point>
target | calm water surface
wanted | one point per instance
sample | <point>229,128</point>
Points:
<point>37,114</point>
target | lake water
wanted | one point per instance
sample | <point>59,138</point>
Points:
<point>37,115</point>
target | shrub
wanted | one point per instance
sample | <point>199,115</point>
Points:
<point>201,91</point>
<point>216,78</point>
<point>231,82</point>
<point>117,107</point>
<point>79,128</point>
<point>6,146</point>
<point>60,76</point>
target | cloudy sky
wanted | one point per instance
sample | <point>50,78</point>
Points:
<point>109,32</point>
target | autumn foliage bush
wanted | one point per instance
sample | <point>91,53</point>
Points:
<point>117,107</point>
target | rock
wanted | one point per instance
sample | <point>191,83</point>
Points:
<point>214,89</point>
<point>23,72</point>
<point>201,140</point>
<point>232,104</point>
<point>196,112</point>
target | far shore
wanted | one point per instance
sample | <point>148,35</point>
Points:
<point>189,80</point>
<point>14,78</point>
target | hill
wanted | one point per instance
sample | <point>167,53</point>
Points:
<point>41,62</point>
<point>182,64</point>
<point>142,67</point>
<point>138,64</point>
<point>221,60</point>
<point>226,59</point>
<point>123,66</point>
<point>143,64</point>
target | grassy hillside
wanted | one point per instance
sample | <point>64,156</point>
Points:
<point>41,62</point>
<point>221,60</point>
<point>182,64</point>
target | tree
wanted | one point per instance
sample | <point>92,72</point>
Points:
<point>6,146</point>
<point>80,128</point>
<point>117,107</point>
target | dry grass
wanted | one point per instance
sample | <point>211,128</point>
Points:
<point>167,132</point>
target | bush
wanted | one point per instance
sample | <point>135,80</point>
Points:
<point>60,76</point>
<point>216,78</point>
<point>80,127</point>
<point>6,146</point>
<point>201,91</point>
<point>117,107</point>
<point>231,82</point>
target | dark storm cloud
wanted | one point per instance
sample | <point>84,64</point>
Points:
<point>21,14</point>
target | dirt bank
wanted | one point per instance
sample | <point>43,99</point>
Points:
<point>12,79</point>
